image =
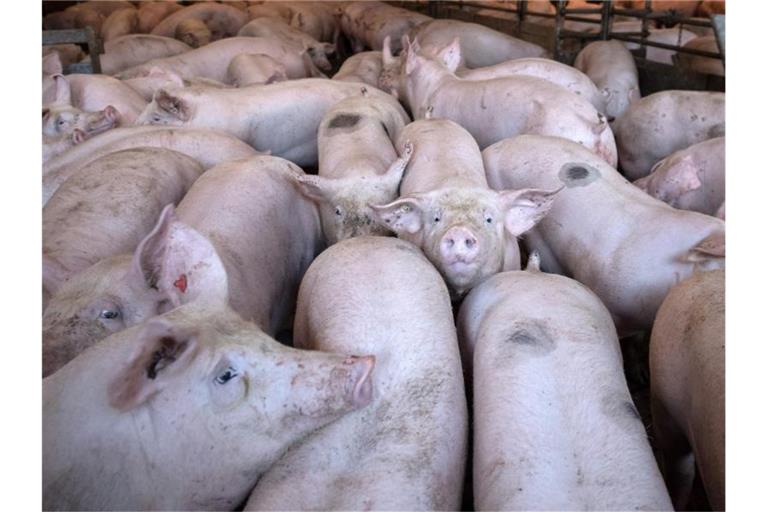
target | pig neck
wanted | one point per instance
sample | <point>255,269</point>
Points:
<point>424,83</point>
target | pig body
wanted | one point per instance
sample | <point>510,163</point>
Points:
<point>108,206</point>
<point>277,10</point>
<point>555,427</point>
<point>687,362</point>
<point>662,123</point>
<point>315,19</point>
<point>270,27</point>
<point>612,68</point>
<point>211,60</point>
<point>416,439</point>
<point>206,146</point>
<point>282,118</point>
<point>120,23</point>
<point>120,431</point>
<point>147,86</point>
<point>447,209</point>
<point>690,179</point>
<point>626,246</point>
<point>193,32</point>
<point>136,49</point>
<point>492,110</point>
<point>362,67</point>
<point>152,13</point>
<point>254,69</point>
<point>368,24</point>
<point>221,19</point>
<point>700,64</point>
<point>222,246</point>
<point>96,92</point>
<point>358,164</point>
<point>480,46</point>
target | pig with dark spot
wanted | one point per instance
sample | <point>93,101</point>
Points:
<point>664,122</point>
<point>687,362</point>
<point>415,429</point>
<point>554,424</point>
<point>690,179</point>
<point>446,208</point>
<point>158,78</point>
<point>358,165</point>
<point>186,412</point>
<point>220,245</point>
<point>492,110</point>
<point>107,207</point>
<point>626,246</point>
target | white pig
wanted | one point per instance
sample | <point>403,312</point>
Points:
<point>270,27</point>
<point>120,23</point>
<point>407,449</point>
<point>362,67</point>
<point>626,246</point>
<point>185,412</point>
<point>135,49</point>
<point>96,92</point>
<point>555,427</point>
<point>687,362</point>
<point>446,208</point>
<point>222,20</point>
<point>254,69</point>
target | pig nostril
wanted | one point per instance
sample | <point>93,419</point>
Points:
<point>449,242</point>
<point>469,243</point>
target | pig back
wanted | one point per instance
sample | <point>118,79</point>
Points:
<point>263,229</point>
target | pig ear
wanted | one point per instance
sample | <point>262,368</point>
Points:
<point>78,136</point>
<point>46,113</point>
<point>52,64</point>
<point>63,93</point>
<point>524,208</point>
<point>158,72</point>
<point>172,104</point>
<point>711,248</point>
<point>180,263</point>
<point>277,76</point>
<point>451,55</point>
<point>411,61</point>
<point>684,176</point>
<point>401,216</point>
<point>316,188</point>
<point>165,350</point>
<point>386,52</point>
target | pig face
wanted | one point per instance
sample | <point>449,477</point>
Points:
<point>66,121</point>
<point>173,265</point>
<point>462,231</point>
<point>670,184</point>
<point>617,102</point>
<point>166,109</point>
<point>319,55</point>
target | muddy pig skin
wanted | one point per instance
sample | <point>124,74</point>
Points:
<point>555,427</point>
<point>687,360</point>
<point>185,412</point>
<point>282,118</point>
<point>206,146</point>
<point>358,165</point>
<point>492,110</point>
<point>690,179</point>
<point>626,246</point>
<point>221,19</point>
<point>406,450</point>
<point>220,245</point>
<point>446,208</point>
<point>660,124</point>
<point>108,206</point>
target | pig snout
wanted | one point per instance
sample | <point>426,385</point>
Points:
<point>361,389</point>
<point>459,245</point>
<point>102,121</point>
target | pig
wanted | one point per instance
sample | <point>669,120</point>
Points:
<point>480,46</point>
<point>104,7</point>
<point>221,19</point>
<point>664,122</point>
<point>690,179</point>
<point>368,24</point>
<point>107,207</point>
<point>446,208</point>
<point>492,110</point>
<point>358,165</point>
<point>612,68</point>
<point>362,67</point>
<point>193,32</point>
<point>626,246</point>
<point>152,13</point>
<point>122,431</point>
<point>218,230</point>
<point>158,78</point>
<point>270,27</point>
<point>316,20</point>
<point>211,60</point>
<point>254,69</point>
<point>720,214</point>
<point>277,10</point>
<point>68,54</point>
<point>353,20</point>
<point>135,49</point>
<point>253,113</point>
<point>414,431</point>
<point>120,23</point>
<point>60,20</point>
<point>208,147</point>
<point>687,363</point>
<point>54,146</point>
<point>95,92</point>
<point>699,64</point>
<point>677,36</point>
<point>555,427</point>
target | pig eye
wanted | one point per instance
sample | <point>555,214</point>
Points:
<point>227,375</point>
<point>109,314</point>
<point>156,118</point>
<point>338,211</point>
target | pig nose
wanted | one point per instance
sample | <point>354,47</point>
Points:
<point>459,244</point>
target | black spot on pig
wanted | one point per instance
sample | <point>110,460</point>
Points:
<point>716,131</point>
<point>578,174</point>
<point>531,336</point>
<point>383,125</point>
<point>344,121</point>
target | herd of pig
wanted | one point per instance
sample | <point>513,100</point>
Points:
<point>182,238</point>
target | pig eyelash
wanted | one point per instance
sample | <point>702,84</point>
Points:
<point>228,374</point>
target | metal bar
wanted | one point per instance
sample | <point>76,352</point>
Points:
<point>718,25</point>
<point>571,34</point>
<point>522,7</point>
<point>644,28</point>
<point>594,10</point>
<point>637,13</point>
<point>75,35</point>
<point>606,20</point>
<point>559,29</point>
<point>586,20</point>
<point>622,37</point>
